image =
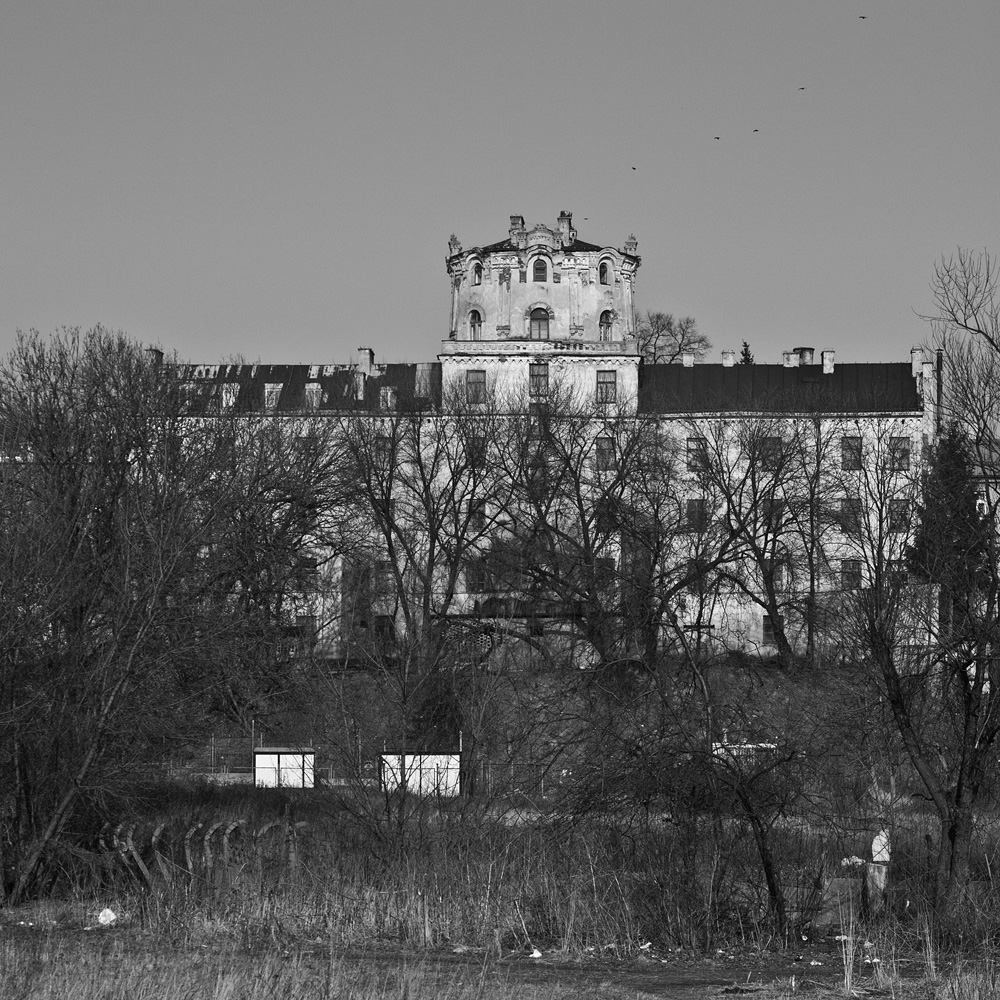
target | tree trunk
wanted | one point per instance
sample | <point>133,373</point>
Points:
<point>952,872</point>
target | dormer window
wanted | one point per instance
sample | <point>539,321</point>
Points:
<point>539,324</point>
<point>477,275</point>
<point>540,271</point>
<point>604,273</point>
<point>475,325</point>
<point>605,325</point>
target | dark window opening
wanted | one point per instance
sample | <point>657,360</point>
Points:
<point>899,454</point>
<point>477,274</point>
<point>696,511</point>
<point>697,454</point>
<point>604,455</point>
<point>850,515</point>
<point>607,387</point>
<point>605,325</point>
<point>539,271</point>
<point>850,574</point>
<point>475,386</point>
<point>475,325</point>
<point>850,454</point>
<point>539,324</point>
<point>538,380</point>
<point>770,454</point>
<point>604,273</point>
<point>899,515</point>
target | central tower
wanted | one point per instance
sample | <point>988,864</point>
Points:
<point>542,283</point>
<point>541,299</point>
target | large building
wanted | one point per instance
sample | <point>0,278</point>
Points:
<point>777,486</point>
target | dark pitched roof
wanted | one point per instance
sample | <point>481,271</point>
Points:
<point>338,387</point>
<point>849,388</point>
<point>575,246</point>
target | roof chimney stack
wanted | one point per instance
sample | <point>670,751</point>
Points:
<point>728,359</point>
<point>790,359</point>
<point>916,361</point>
<point>806,355</point>
<point>366,360</point>
<point>828,360</point>
<point>567,233</point>
<point>688,360</point>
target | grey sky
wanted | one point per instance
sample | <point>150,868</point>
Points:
<point>279,181</point>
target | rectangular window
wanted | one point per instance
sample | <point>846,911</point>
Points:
<point>850,574</point>
<point>383,449</point>
<point>899,454</point>
<point>604,455</point>
<point>771,628</point>
<point>313,396</point>
<point>230,390</point>
<point>477,576</point>
<point>696,514</point>
<point>607,387</point>
<point>899,515</point>
<point>770,454</point>
<point>475,386</point>
<point>272,391</point>
<point>850,515</point>
<point>477,515</point>
<point>538,380</point>
<point>476,452</point>
<point>772,513</point>
<point>697,454</point>
<point>850,454</point>
<point>537,419</point>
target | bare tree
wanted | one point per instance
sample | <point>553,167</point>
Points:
<point>665,340</point>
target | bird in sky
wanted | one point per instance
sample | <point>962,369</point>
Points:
<point>756,129</point>
<point>718,137</point>
<point>633,168</point>
<point>802,88</point>
<point>862,17</point>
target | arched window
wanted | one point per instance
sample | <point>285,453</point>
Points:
<point>539,270</point>
<point>605,325</point>
<point>539,324</point>
<point>604,273</point>
<point>475,325</point>
<point>477,274</point>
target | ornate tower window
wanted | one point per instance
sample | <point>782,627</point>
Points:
<point>605,325</point>
<point>475,325</point>
<point>539,323</point>
<point>477,274</point>
<point>539,270</point>
<point>604,273</point>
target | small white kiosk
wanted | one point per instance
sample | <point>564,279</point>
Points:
<point>284,767</point>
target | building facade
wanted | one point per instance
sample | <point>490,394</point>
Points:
<point>718,505</point>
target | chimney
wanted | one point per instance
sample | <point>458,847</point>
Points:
<point>566,231</point>
<point>155,356</point>
<point>916,361</point>
<point>828,360</point>
<point>790,359</point>
<point>806,355</point>
<point>688,360</point>
<point>728,359</point>
<point>366,360</point>
<point>516,227</point>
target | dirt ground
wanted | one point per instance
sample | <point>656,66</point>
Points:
<point>816,969</point>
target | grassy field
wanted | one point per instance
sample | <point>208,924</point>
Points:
<point>250,894</point>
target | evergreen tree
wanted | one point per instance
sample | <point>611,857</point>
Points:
<point>746,356</point>
<point>951,546</point>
